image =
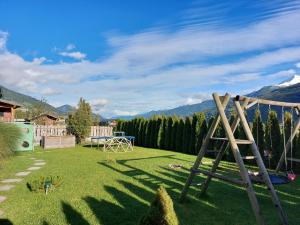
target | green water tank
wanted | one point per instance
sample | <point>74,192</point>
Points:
<point>26,141</point>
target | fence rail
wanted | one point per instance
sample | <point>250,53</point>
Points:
<point>61,130</point>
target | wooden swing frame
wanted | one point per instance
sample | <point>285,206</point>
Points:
<point>241,103</point>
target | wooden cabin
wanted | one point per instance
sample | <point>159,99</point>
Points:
<point>7,110</point>
<point>46,118</point>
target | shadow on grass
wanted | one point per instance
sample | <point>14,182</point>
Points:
<point>5,222</point>
<point>126,211</point>
<point>72,215</point>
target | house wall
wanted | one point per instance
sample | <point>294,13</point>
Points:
<point>44,120</point>
<point>6,114</point>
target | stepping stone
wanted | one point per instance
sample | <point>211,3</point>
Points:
<point>39,164</point>
<point>1,213</point>
<point>2,198</point>
<point>32,158</point>
<point>39,160</point>
<point>23,174</point>
<point>11,180</point>
<point>6,187</point>
<point>34,168</point>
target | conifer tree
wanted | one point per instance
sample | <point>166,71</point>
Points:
<point>273,137</point>
<point>168,133</point>
<point>258,132</point>
<point>187,135</point>
<point>193,134</point>
<point>200,130</point>
<point>179,136</point>
<point>174,133</point>
<point>161,210</point>
<point>147,133</point>
<point>79,122</point>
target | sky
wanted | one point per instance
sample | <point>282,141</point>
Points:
<point>130,57</point>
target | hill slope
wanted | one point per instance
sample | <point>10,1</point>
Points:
<point>22,99</point>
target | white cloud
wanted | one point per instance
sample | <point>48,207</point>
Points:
<point>70,47</point>
<point>49,91</point>
<point>98,104</point>
<point>125,113</point>
<point>151,69</point>
<point>3,39</point>
<point>74,55</point>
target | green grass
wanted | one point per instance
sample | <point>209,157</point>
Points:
<point>117,188</point>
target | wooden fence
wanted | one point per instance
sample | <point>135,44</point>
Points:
<point>61,130</point>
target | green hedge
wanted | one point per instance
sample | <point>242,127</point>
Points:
<point>10,134</point>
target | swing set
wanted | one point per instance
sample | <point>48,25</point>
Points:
<point>289,175</point>
<point>247,178</point>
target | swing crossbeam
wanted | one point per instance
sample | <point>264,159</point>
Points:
<point>231,143</point>
<point>267,102</point>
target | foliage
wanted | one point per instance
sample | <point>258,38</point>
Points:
<point>186,142</point>
<point>161,211</point>
<point>186,135</point>
<point>80,121</point>
<point>273,137</point>
<point>258,132</point>
<point>10,136</point>
<point>179,136</point>
<point>43,183</point>
<point>200,130</point>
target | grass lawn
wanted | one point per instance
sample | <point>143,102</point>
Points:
<point>99,190</point>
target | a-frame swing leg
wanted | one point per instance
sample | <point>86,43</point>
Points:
<point>260,164</point>
<point>288,145</point>
<point>202,151</point>
<point>238,158</point>
<point>221,153</point>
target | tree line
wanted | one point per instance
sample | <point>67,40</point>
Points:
<point>186,134</point>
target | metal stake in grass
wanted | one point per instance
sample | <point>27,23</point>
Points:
<point>47,186</point>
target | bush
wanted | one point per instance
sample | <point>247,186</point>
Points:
<point>10,136</point>
<point>161,211</point>
<point>45,184</point>
<point>80,121</point>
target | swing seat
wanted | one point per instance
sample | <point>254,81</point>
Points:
<point>275,178</point>
<point>291,176</point>
<point>279,179</point>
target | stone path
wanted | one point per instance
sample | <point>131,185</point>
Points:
<point>2,198</point>
<point>6,187</point>
<point>38,163</point>
<point>34,168</point>
<point>23,173</point>
<point>1,213</point>
<point>16,180</point>
<point>39,160</point>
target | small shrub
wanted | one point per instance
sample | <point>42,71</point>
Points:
<point>10,136</point>
<point>45,184</point>
<point>161,211</point>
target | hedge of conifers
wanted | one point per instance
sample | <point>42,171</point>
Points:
<point>186,134</point>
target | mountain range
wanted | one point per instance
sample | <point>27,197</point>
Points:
<point>287,91</point>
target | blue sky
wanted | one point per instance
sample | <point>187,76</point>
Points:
<point>145,55</point>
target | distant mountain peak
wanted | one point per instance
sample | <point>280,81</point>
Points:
<point>294,80</point>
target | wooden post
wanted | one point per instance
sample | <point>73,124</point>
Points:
<point>261,166</point>
<point>221,153</point>
<point>288,145</point>
<point>239,160</point>
<point>204,146</point>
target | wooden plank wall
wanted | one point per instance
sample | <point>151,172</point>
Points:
<point>101,131</point>
<point>61,130</point>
